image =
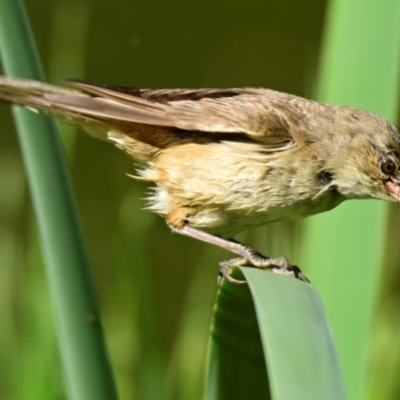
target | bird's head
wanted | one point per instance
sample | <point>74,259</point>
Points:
<point>366,160</point>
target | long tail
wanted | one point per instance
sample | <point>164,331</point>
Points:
<point>53,99</point>
<point>136,127</point>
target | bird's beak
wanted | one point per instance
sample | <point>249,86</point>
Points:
<point>393,189</point>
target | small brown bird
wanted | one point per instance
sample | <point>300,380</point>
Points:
<point>226,160</point>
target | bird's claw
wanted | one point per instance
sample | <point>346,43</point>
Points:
<point>278,265</point>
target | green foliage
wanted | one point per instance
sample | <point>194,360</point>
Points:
<point>275,324</point>
<point>157,289</point>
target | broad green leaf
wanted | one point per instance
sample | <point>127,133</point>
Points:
<point>274,323</point>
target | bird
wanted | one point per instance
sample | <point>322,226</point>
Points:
<point>224,161</point>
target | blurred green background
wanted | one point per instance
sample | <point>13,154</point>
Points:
<point>156,310</point>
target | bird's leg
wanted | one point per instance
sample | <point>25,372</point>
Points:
<point>248,256</point>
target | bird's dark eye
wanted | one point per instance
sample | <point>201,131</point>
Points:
<point>388,167</point>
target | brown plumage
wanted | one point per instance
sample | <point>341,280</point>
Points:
<point>226,160</point>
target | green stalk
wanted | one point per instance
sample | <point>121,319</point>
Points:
<point>344,250</point>
<point>87,370</point>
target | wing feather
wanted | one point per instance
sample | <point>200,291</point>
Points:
<point>251,112</point>
<point>258,114</point>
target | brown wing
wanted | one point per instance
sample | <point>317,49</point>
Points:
<point>254,113</point>
<point>251,112</point>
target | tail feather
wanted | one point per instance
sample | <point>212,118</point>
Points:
<point>50,98</point>
<point>100,117</point>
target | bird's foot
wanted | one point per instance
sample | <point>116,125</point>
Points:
<point>253,259</point>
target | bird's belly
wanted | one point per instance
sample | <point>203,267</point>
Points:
<point>228,222</point>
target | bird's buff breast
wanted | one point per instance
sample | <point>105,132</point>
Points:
<point>232,188</point>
